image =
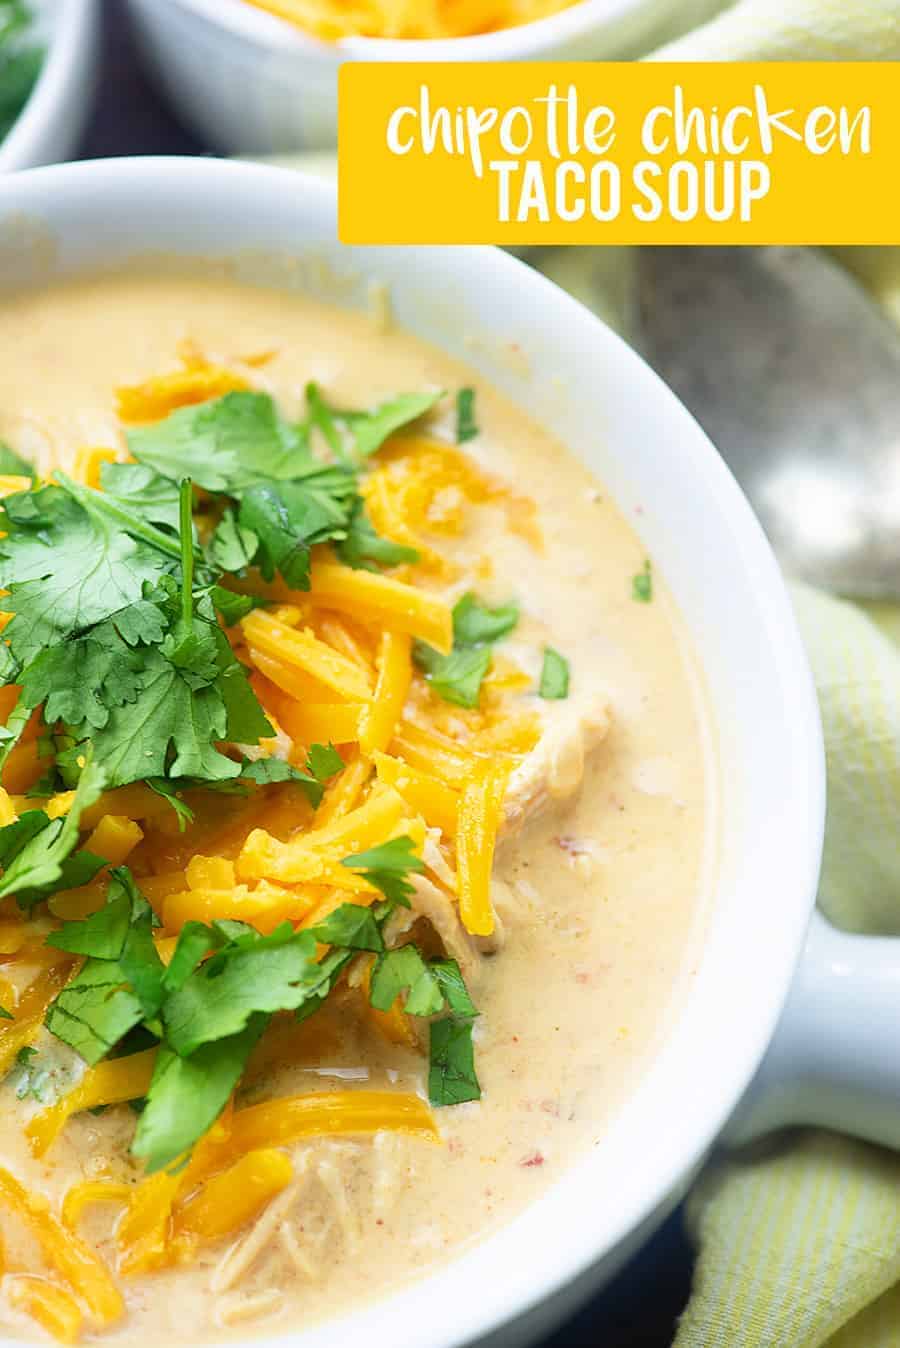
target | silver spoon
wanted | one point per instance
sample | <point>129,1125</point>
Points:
<point>795,375</point>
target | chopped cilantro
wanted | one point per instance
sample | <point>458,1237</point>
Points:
<point>251,974</point>
<point>6,1015</point>
<point>642,584</point>
<point>387,866</point>
<point>120,984</point>
<point>458,677</point>
<point>363,547</point>
<point>466,425</point>
<point>352,926</point>
<point>554,685</point>
<point>12,464</point>
<point>322,762</point>
<point>404,970</point>
<point>452,985</point>
<point>476,625</point>
<point>451,1078</point>
<point>367,431</point>
<point>34,848</point>
<point>33,1078</point>
<point>187,1095</point>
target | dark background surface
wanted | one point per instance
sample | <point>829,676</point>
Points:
<point>640,1308</point>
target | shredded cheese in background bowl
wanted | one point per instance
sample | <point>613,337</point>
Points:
<point>408,19</point>
<point>268,737</point>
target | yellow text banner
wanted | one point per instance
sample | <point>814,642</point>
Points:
<point>551,153</point>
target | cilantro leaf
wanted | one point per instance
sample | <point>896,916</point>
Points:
<point>187,1095</point>
<point>230,606</point>
<point>12,464</point>
<point>452,1079</point>
<point>288,518</point>
<point>368,430</point>
<point>190,693</point>
<point>183,812</point>
<point>77,870</point>
<point>170,730</point>
<point>253,974</point>
<point>75,564</point>
<point>387,866</point>
<point>194,941</point>
<point>226,445</point>
<point>79,681</point>
<point>642,584</point>
<point>330,970</point>
<point>456,677</point>
<point>352,926</point>
<point>140,489</point>
<point>404,970</point>
<point>363,546</point>
<point>103,933</point>
<point>452,985</point>
<point>466,425</point>
<point>94,1010</point>
<point>34,849</point>
<point>554,685</point>
<point>121,984</point>
<point>232,547</point>
<point>323,761</point>
<point>371,429</point>
<point>476,625</point>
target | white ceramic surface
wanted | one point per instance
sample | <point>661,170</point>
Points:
<point>54,117</point>
<point>600,398</point>
<point>253,84</point>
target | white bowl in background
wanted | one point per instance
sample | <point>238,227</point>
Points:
<point>50,124</point>
<point>616,415</point>
<point>249,83</point>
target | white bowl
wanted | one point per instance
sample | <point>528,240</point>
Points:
<point>253,84</point>
<point>50,124</point>
<point>614,413</point>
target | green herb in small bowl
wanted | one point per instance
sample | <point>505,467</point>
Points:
<point>21,58</point>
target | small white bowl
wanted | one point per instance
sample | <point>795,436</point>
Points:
<point>253,84</point>
<point>54,117</point>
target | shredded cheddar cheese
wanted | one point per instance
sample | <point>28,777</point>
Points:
<point>418,19</point>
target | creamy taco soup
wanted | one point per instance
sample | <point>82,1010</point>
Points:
<point>356,815</point>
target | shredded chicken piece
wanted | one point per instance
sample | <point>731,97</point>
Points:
<point>439,909</point>
<point>238,1259</point>
<point>335,1184</point>
<point>554,770</point>
<point>436,861</point>
<point>234,1308</point>
<point>299,1257</point>
<point>386,1148</point>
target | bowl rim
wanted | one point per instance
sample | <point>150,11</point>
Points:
<point>528,41</point>
<point>48,100</point>
<point>527,1267</point>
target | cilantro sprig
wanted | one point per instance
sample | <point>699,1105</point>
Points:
<point>210,1005</point>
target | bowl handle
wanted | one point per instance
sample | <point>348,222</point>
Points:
<point>834,1060</point>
